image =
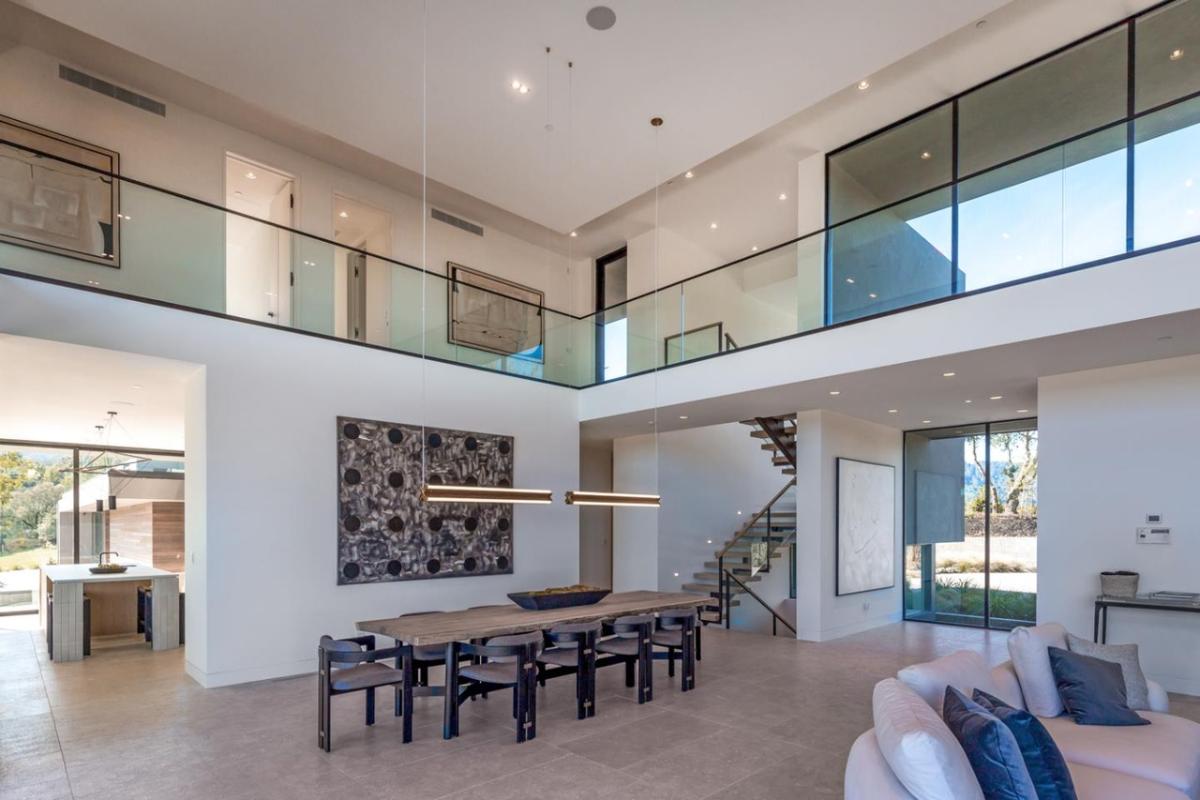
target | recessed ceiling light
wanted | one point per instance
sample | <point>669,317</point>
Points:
<point>872,295</point>
<point>93,283</point>
<point>864,85</point>
<point>344,215</point>
<point>849,280</point>
<point>1177,54</point>
<point>712,225</point>
<point>676,574</point>
<point>893,411</point>
<point>135,386</point>
<point>926,422</point>
<point>689,174</point>
<point>710,541</point>
<point>834,392</point>
<point>926,155</point>
<point>1022,410</point>
<point>739,512</point>
<point>996,397</point>
<point>783,195</point>
<point>516,85</point>
<point>523,90</point>
<point>949,374</point>
<point>251,175</point>
<point>968,402</point>
<point>753,248</point>
<point>683,416</point>
<point>574,234</point>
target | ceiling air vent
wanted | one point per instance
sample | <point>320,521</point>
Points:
<point>458,222</point>
<point>109,90</point>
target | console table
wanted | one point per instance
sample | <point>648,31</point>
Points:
<point>1103,603</point>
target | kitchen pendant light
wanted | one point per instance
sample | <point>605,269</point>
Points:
<point>443,493</point>
<point>612,499</point>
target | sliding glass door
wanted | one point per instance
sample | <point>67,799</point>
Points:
<point>970,524</point>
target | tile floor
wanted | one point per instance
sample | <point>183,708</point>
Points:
<point>770,718</point>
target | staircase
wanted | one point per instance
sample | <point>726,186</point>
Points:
<point>752,547</point>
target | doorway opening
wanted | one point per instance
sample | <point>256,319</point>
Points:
<point>361,283</point>
<point>612,320</point>
<point>970,524</point>
<point>258,256</point>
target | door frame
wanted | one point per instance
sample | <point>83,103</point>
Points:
<point>285,280</point>
<point>602,262</point>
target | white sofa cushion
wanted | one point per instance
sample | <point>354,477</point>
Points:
<point>1028,649</point>
<point>965,670</point>
<point>919,748</point>
<point>868,776</point>
<point>1166,751</point>
<point>1008,686</point>
<point>1094,783</point>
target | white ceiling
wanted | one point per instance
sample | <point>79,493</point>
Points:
<point>717,72</point>
<point>918,391</point>
<point>56,392</point>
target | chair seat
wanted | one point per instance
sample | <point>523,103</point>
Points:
<point>562,656</point>
<point>503,673</point>
<point>620,646</point>
<point>429,652</point>
<point>364,676</point>
<point>668,638</point>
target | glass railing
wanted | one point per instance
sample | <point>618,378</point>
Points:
<point>1113,192</point>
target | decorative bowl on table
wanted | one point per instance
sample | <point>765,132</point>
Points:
<point>560,597</point>
<point>108,569</point>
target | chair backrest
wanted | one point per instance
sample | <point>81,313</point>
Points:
<point>533,637</point>
<point>572,632</point>
<point>629,627</point>
<point>335,646</point>
<point>675,618</point>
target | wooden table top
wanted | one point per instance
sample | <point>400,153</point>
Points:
<point>441,627</point>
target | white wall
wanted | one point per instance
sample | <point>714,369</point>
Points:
<point>262,490</point>
<point>1115,445</point>
<point>825,436</point>
<point>595,522</point>
<point>635,530</point>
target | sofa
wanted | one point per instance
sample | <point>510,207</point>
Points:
<point>1160,761</point>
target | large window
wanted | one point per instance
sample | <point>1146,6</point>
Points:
<point>970,524</point>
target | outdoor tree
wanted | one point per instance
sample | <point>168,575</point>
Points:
<point>1015,478</point>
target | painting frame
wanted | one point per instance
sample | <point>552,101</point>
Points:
<point>65,160</point>
<point>468,330</point>
<point>845,583</point>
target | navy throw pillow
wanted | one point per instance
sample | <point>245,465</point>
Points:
<point>991,748</point>
<point>1092,690</point>
<point>1047,767</point>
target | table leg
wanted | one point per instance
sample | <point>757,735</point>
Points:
<point>450,708</point>
<point>1104,627</point>
<point>1096,623</point>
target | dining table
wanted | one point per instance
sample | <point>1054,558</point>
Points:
<point>484,622</point>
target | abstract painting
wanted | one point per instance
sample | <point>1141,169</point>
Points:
<point>489,313</point>
<point>58,194</point>
<point>385,532</point>
<point>866,526</point>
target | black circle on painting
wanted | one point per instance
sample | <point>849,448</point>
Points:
<point>435,523</point>
<point>472,481</point>
<point>502,562</point>
<point>503,482</point>
<point>435,480</point>
<point>351,571</point>
<point>352,523</point>
<point>502,524</point>
<point>504,447</point>
<point>433,565</point>
<point>469,563</point>
<point>395,524</point>
<point>435,440</point>
<point>395,436</point>
<point>352,476</point>
<point>350,430</point>
<point>470,443</point>
<point>393,567</point>
<point>470,523</point>
<point>395,480</point>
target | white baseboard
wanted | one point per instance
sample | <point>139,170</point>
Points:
<point>211,680</point>
<point>838,631</point>
<point>1177,683</point>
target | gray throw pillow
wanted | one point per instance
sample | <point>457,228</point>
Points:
<point>1137,693</point>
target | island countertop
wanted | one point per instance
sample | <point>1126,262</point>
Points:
<point>77,573</point>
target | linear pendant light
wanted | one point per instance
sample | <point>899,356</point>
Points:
<point>441,493</point>
<point>612,499</point>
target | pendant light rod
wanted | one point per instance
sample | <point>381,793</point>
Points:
<point>441,493</point>
<point>613,499</point>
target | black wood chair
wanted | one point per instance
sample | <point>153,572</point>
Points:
<point>676,630</point>
<point>511,661</point>
<point>354,665</point>
<point>630,645</point>
<point>87,625</point>
<point>573,653</point>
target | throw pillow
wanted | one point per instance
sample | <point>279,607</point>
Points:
<point>919,748</point>
<point>1027,648</point>
<point>991,748</point>
<point>1092,690</point>
<point>1047,768</point>
<point>1137,691</point>
<point>964,670</point>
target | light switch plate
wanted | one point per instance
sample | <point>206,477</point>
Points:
<point>1155,535</point>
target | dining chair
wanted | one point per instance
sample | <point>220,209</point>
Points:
<point>511,661</point>
<point>675,630</point>
<point>573,653</point>
<point>354,665</point>
<point>630,644</point>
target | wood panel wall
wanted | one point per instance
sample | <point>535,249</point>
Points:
<point>149,533</point>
